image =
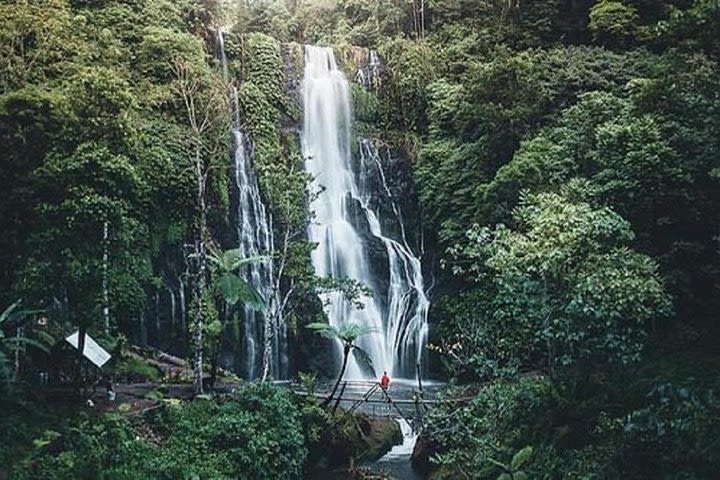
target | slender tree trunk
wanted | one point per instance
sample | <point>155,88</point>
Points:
<point>201,283</point>
<point>274,314</point>
<point>346,354</point>
<point>16,370</point>
<point>337,401</point>
<point>105,294</point>
<point>267,346</point>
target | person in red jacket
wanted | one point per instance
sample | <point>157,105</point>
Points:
<point>385,381</point>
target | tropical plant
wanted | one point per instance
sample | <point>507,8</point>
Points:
<point>347,335</point>
<point>13,342</point>
<point>513,471</point>
<point>231,286</point>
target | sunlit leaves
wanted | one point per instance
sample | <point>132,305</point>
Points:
<point>566,280</point>
<point>613,21</point>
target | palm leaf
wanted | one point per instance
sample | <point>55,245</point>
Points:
<point>7,314</point>
<point>234,289</point>
<point>324,329</point>
<point>233,259</point>
<point>364,361</point>
<point>215,260</point>
<point>13,314</point>
<point>44,337</point>
<point>351,332</point>
<point>16,342</point>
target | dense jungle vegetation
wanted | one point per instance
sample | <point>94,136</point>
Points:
<point>566,157</point>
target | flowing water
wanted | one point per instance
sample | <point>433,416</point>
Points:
<point>255,238</point>
<point>369,74</point>
<point>345,225</point>
<point>397,461</point>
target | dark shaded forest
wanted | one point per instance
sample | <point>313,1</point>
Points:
<point>558,165</point>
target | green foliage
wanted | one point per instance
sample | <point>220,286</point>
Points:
<point>36,40</point>
<point>529,426</point>
<point>592,174</point>
<point>78,194</point>
<point>262,104</point>
<point>85,98</point>
<point>677,431</point>
<point>158,46</point>
<point>695,27</point>
<point>255,434</point>
<point>490,436</point>
<point>228,284</point>
<point>348,335</point>
<point>134,369</point>
<point>479,119</point>
<point>566,285</point>
<point>16,334</point>
<point>631,162</point>
<point>411,68</point>
<point>613,21</point>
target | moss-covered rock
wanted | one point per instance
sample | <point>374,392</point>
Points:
<point>353,438</point>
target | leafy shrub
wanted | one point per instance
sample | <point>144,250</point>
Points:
<point>132,368</point>
<point>256,434</point>
<point>481,439</point>
<point>566,293</point>
<point>674,434</point>
<point>613,21</point>
<point>677,435</point>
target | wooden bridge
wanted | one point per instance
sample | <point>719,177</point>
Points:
<point>402,400</point>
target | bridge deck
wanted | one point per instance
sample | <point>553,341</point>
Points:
<point>402,400</point>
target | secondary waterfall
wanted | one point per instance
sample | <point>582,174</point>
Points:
<point>344,220</point>
<point>255,238</point>
<point>369,74</point>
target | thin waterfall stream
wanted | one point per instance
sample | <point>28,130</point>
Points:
<point>255,238</point>
<point>397,310</point>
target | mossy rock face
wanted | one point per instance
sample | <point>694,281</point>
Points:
<point>357,438</point>
<point>384,433</point>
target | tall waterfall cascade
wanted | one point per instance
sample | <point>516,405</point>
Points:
<point>345,224</point>
<point>255,238</point>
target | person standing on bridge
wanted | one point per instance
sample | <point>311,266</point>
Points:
<point>385,381</point>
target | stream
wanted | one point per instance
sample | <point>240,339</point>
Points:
<point>396,463</point>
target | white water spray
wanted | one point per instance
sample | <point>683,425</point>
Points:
<point>398,316</point>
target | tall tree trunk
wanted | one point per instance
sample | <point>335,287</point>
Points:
<point>105,294</point>
<point>201,281</point>
<point>346,354</point>
<point>267,346</point>
<point>274,314</point>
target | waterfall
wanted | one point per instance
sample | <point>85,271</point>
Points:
<point>345,224</point>
<point>403,451</point>
<point>368,75</point>
<point>407,304</point>
<point>255,238</point>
